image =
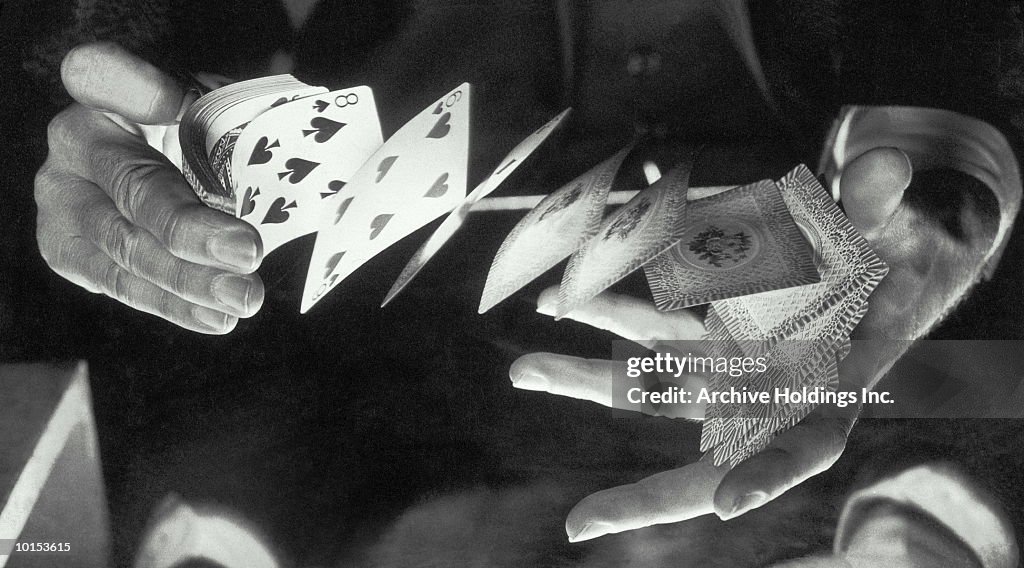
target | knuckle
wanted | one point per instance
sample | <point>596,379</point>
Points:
<point>44,241</point>
<point>169,227</point>
<point>56,129</point>
<point>122,241</point>
<point>44,185</point>
<point>60,129</point>
<point>66,256</point>
<point>166,305</point>
<point>115,283</point>
<point>59,252</point>
<point>180,281</point>
<point>131,182</point>
<point>68,134</point>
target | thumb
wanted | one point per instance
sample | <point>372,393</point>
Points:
<point>105,76</point>
<point>872,186</point>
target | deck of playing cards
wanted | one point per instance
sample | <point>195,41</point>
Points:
<point>292,159</point>
<point>273,150</point>
<point>738,242</point>
<point>785,273</point>
<point>803,331</point>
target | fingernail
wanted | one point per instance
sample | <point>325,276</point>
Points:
<point>547,302</point>
<point>233,291</point>
<point>236,248</point>
<point>212,319</point>
<point>547,306</point>
<point>191,96</point>
<point>187,100</point>
<point>745,503</point>
<point>591,530</point>
<point>530,381</point>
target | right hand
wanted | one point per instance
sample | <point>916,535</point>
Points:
<point>116,216</point>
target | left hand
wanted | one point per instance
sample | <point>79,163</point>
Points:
<point>872,189</point>
<point>807,449</point>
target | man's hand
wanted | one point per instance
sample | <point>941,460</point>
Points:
<point>872,188</point>
<point>117,217</point>
<point>807,449</point>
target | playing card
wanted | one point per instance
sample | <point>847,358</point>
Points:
<point>212,123</point>
<point>736,431</point>
<point>736,243</point>
<point>720,420</point>
<point>807,359</point>
<point>783,416</point>
<point>416,176</point>
<point>551,231</point>
<point>220,158</point>
<point>516,157</point>
<point>288,160</point>
<point>640,230</point>
<point>849,270</point>
<point>745,436</point>
<point>832,328</point>
<point>222,152</point>
<point>454,221</point>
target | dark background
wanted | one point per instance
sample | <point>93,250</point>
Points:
<point>389,435</point>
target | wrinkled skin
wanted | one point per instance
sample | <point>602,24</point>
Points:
<point>116,216</point>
